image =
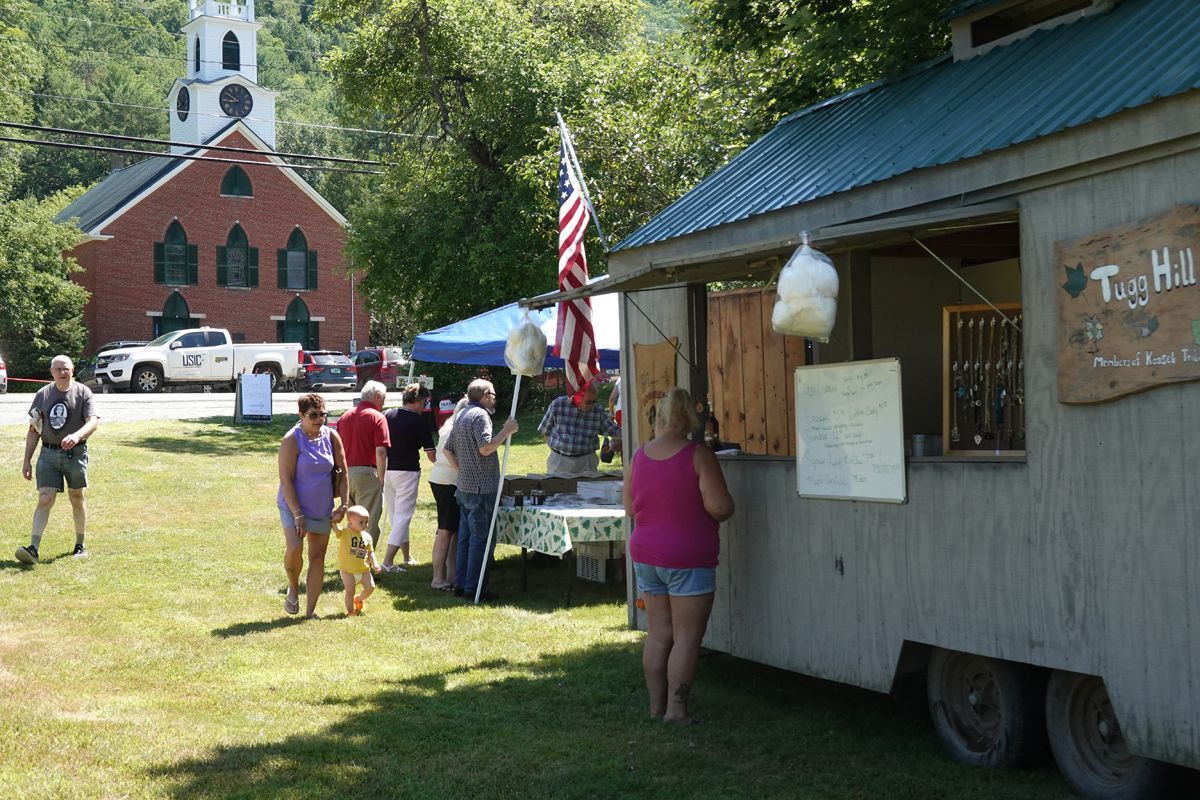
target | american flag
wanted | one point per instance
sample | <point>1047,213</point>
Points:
<point>576,342</point>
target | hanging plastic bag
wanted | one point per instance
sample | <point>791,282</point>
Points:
<point>807,295</point>
<point>525,352</point>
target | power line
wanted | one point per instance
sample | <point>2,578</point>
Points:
<point>144,140</point>
<point>214,114</point>
<point>128,151</point>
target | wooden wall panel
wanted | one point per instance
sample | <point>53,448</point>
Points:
<point>753,399</point>
<point>751,372</point>
<point>776,381</point>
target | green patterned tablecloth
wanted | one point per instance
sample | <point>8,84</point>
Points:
<point>555,530</point>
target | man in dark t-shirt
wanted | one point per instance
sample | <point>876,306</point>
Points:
<point>62,416</point>
<point>409,434</point>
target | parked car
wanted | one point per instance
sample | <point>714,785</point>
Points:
<point>326,369</point>
<point>384,364</point>
<point>3,376</point>
<point>85,370</point>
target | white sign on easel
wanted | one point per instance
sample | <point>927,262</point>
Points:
<point>850,431</point>
<point>252,402</point>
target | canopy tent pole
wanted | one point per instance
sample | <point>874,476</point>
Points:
<point>412,365</point>
<point>487,550</point>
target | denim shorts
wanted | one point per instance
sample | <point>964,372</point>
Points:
<point>678,582</point>
<point>311,524</point>
<point>53,466</point>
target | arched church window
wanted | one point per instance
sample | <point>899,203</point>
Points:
<point>236,183</point>
<point>237,261</point>
<point>231,52</point>
<point>297,264</point>
<point>176,263</point>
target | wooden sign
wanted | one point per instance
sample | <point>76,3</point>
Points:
<point>655,375</point>
<point>1129,308</point>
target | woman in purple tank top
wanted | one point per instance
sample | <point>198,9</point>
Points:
<point>308,455</point>
<point>676,497</point>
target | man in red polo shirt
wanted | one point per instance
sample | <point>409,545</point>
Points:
<point>364,433</point>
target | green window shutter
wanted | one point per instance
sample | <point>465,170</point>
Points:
<point>312,269</point>
<point>314,336</point>
<point>252,267</point>
<point>222,267</point>
<point>193,264</point>
<point>160,263</point>
<point>283,269</point>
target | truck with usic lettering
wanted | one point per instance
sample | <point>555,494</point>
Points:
<point>195,356</point>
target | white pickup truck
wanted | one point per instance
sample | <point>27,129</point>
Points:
<point>196,356</point>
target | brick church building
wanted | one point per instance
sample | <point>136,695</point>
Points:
<point>175,243</point>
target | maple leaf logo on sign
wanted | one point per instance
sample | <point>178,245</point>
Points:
<point>1076,280</point>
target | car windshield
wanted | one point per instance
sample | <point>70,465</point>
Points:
<point>160,341</point>
<point>334,359</point>
<point>393,354</point>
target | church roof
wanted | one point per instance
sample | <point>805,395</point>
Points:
<point>102,200</point>
<point>120,189</point>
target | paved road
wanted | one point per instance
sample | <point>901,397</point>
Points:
<point>170,405</point>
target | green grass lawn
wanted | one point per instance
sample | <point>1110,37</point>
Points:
<point>163,666</point>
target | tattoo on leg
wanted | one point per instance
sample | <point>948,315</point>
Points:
<point>681,693</point>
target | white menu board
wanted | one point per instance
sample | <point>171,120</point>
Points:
<point>850,431</point>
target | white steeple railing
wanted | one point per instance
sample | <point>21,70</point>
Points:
<point>231,9</point>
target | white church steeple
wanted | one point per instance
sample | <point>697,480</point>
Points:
<point>222,74</point>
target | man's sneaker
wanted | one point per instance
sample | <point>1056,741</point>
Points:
<point>79,551</point>
<point>27,555</point>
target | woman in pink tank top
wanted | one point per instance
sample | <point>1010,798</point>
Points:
<point>676,497</point>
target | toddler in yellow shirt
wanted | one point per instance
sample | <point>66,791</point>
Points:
<point>356,558</point>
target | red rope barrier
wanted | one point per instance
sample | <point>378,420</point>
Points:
<point>29,380</point>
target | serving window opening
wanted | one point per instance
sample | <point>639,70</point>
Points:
<point>900,296</point>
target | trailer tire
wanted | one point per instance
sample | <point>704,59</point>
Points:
<point>985,711</point>
<point>273,371</point>
<point>146,379</point>
<point>1088,745</point>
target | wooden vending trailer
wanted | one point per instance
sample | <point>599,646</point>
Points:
<point>1043,577</point>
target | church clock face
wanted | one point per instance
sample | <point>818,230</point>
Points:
<point>183,103</point>
<point>236,101</point>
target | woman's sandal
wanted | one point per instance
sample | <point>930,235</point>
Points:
<point>291,606</point>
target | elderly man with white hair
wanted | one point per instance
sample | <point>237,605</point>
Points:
<point>62,416</point>
<point>364,432</point>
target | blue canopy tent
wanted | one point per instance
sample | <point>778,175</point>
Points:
<point>481,339</point>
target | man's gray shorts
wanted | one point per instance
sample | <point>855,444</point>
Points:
<point>56,466</point>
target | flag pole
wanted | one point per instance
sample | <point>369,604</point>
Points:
<point>487,550</point>
<point>569,146</point>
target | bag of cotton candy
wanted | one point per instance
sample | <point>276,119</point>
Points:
<point>525,352</point>
<point>807,296</point>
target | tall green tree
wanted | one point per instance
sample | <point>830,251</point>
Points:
<point>42,311</point>
<point>457,227</point>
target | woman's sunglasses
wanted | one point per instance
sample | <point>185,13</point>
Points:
<point>317,414</point>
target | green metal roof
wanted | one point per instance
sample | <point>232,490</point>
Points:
<point>947,111</point>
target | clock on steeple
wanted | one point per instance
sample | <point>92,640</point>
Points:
<point>183,103</point>
<point>236,100</point>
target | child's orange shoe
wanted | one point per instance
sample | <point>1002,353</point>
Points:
<point>357,606</point>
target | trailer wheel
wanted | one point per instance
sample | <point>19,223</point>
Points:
<point>146,379</point>
<point>986,712</point>
<point>1088,744</point>
<point>273,371</point>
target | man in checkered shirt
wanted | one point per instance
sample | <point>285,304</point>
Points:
<point>571,427</point>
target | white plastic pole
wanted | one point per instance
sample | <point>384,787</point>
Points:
<point>487,550</point>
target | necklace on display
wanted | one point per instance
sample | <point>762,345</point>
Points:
<point>957,390</point>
